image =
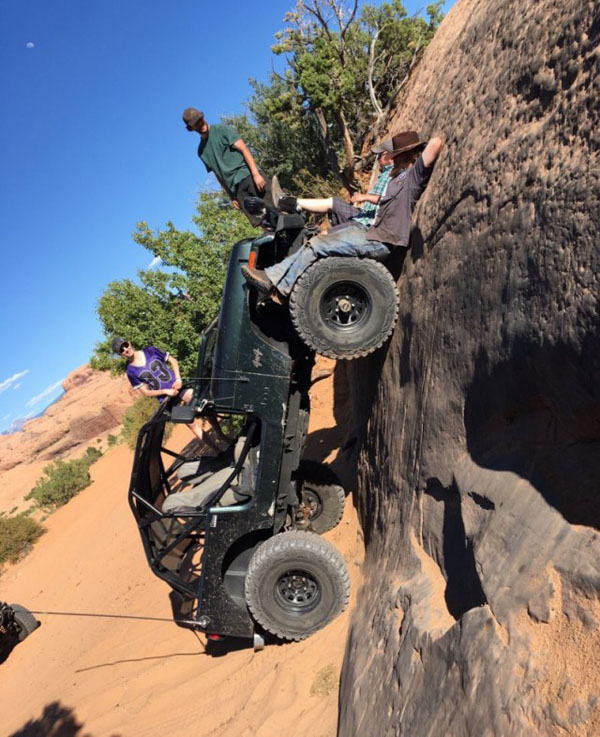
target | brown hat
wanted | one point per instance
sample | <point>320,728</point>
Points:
<point>191,117</point>
<point>400,142</point>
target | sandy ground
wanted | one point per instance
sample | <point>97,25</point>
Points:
<point>101,677</point>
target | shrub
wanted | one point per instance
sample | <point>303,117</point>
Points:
<point>17,535</point>
<point>136,417</point>
<point>61,481</point>
<point>91,455</point>
<point>112,440</point>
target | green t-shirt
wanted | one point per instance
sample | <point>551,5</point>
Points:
<point>219,155</point>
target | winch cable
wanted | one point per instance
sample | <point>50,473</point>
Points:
<point>116,616</point>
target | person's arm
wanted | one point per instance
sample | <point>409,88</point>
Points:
<point>158,392</point>
<point>432,151</point>
<point>249,159</point>
<point>177,384</point>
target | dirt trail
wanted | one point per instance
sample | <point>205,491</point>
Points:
<point>99,677</point>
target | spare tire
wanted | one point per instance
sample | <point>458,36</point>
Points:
<point>344,307</point>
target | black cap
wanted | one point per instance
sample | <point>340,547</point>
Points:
<point>117,343</point>
<point>191,117</point>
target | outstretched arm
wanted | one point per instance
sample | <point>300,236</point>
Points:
<point>432,151</point>
<point>249,159</point>
<point>177,384</point>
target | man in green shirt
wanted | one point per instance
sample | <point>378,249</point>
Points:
<point>227,156</point>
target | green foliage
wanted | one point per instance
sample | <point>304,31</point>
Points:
<point>284,137</point>
<point>344,69</point>
<point>112,440</point>
<point>169,309</point>
<point>137,416</point>
<point>60,481</point>
<point>17,535</point>
<point>91,455</point>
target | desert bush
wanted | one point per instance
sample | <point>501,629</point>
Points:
<point>136,417</point>
<point>60,481</point>
<point>112,440</point>
<point>17,535</point>
<point>91,455</point>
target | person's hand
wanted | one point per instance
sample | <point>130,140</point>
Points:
<point>170,392</point>
<point>236,205</point>
<point>357,198</point>
<point>259,181</point>
<point>177,384</point>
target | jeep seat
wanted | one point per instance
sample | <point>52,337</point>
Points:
<point>206,484</point>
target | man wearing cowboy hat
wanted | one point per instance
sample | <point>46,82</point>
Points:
<point>223,152</point>
<point>413,163</point>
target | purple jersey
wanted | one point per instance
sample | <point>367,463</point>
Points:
<point>155,372</point>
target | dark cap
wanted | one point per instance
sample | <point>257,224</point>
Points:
<point>117,343</point>
<point>191,116</point>
<point>399,143</point>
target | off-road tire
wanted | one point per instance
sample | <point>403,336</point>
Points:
<point>363,287</point>
<point>296,583</point>
<point>25,621</point>
<point>320,489</point>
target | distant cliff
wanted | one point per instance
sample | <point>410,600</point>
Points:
<point>93,403</point>
<point>480,440</point>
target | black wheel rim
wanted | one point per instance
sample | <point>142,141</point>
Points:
<point>345,305</point>
<point>297,591</point>
<point>312,502</point>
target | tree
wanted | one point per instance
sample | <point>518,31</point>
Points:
<point>171,308</point>
<point>346,68</point>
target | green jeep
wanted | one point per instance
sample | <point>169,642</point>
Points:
<point>237,536</point>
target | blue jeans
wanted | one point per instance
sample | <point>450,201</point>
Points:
<point>344,241</point>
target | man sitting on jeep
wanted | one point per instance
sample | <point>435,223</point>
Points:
<point>413,164</point>
<point>362,208</point>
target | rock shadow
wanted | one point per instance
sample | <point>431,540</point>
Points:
<point>537,414</point>
<point>454,552</point>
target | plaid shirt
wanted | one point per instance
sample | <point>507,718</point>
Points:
<point>369,210</point>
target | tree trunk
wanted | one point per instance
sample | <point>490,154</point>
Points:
<point>348,173</point>
<point>332,158</point>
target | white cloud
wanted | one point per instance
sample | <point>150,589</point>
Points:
<point>30,44</point>
<point>4,385</point>
<point>17,386</point>
<point>156,261</point>
<point>45,393</point>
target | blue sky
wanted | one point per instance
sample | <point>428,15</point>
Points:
<point>91,143</point>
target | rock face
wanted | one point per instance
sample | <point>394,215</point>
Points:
<point>480,440</point>
<point>94,403</point>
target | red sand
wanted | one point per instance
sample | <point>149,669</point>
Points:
<point>136,678</point>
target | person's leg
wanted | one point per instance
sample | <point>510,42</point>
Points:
<point>196,428</point>
<point>216,426</point>
<point>197,431</point>
<point>321,206</point>
<point>348,241</point>
<point>246,188</point>
<point>342,212</point>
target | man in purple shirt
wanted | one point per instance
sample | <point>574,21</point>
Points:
<point>156,374</point>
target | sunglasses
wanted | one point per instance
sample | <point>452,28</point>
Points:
<point>123,347</point>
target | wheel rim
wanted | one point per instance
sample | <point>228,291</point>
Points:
<point>345,305</point>
<point>297,591</point>
<point>312,502</point>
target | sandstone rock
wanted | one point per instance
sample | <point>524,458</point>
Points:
<point>479,459</point>
<point>94,403</point>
